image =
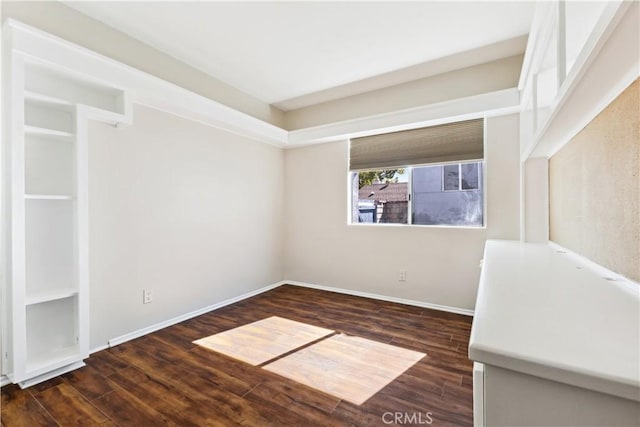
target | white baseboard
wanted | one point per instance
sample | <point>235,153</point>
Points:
<point>456,310</point>
<point>4,380</point>
<point>99,348</point>
<point>149,329</point>
<point>144,331</point>
<point>51,374</point>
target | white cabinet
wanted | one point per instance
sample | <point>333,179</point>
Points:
<point>536,361</point>
<point>46,213</point>
<point>478,395</point>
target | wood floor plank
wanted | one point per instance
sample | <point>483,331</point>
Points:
<point>89,382</point>
<point>36,418</point>
<point>207,387</point>
<point>16,399</point>
<point>286,393</point>
<point>234,368</point>
<point>159,353</point>
<point>19,408</point>
<point>181,335</point>
<point>127,410</point>
<point>166,399</point>
<point>45,385</point>
<point>68,407</point>
<point>106,362</point>
<point>164,379</point>
<point>360,416</point>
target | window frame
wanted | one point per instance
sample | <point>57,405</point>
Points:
<point>409,171</point>
<point>459,175</point>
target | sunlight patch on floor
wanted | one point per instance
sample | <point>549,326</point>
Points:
<point>348,367</point>
<point>264,340</point>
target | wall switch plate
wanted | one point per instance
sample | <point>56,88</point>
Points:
<point>147,296</point>
<point>402,276</point>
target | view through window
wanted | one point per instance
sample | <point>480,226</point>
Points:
<point>445,194</point>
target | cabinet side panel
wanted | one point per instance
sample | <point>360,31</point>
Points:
<point>514,399</point>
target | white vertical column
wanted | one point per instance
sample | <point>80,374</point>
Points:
<point>536,199</point>
<point>18,235</point>
<point>82,226</point>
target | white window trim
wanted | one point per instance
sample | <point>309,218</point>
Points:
<point>460,176</point>
<point>409,169</point>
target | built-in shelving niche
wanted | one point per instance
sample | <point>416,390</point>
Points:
<point>59,345</point>
<point>40,117</point>
<point>49,166</point>
<point>50,249</point>
<point>49,217</point>
<point>50,86</point>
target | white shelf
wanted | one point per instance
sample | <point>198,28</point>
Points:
<point>47,296</point>
<point>53,101</point>
<point>48,197</point>
<point>52,335</point>
<point>47,115</point>
<point>58,85</point>
<point>38,131</point>
<point>37,364</point>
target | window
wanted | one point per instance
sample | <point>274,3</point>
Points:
<point>451,177</point>
<point>429,176</point>
<point>461,176</point>
<point>448,194</point>
<point>381,196</point>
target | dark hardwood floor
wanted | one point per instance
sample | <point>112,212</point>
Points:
<point>164,379</point>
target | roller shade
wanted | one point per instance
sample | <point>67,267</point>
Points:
<point>450,142</point>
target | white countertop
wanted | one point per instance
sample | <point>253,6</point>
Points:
<point>555,316</point>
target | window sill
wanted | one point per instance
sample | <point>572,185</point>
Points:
<point>457,227</point>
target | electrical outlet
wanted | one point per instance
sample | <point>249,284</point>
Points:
<point>402,276</point>
<point>147,296</point>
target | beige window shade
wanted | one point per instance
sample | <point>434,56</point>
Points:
<point>450,142</point>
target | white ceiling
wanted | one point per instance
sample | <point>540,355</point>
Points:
<point>286,53</point>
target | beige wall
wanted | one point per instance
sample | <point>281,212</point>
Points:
<point>478,79</point>
<point>191,212</point>
<point>62,21</point>
<point>594,188</point>
<point>441,263</point>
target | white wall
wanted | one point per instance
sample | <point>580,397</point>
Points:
<point>191,212</point>
<point>441,263</point>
